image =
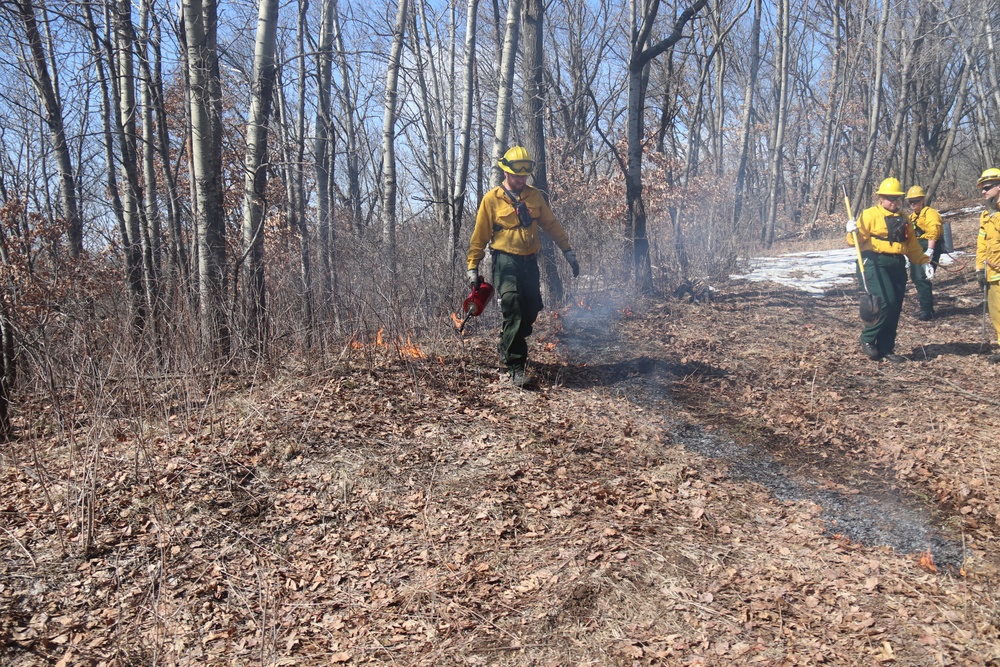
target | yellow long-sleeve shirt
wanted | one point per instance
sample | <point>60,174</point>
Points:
<point>497,224</point>
<point>927,224</point>
<point>872,225</point>
<point>988,243</point>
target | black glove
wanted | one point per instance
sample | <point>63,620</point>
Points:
<point>571,258</point>
<point>981,277</point>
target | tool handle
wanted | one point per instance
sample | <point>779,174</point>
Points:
<point>847,201</point>
<point>857,241</point>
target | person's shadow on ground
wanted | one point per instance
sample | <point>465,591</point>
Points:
<point>934,350</point>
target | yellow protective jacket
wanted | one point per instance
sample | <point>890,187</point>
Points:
<point>927,223</point>
<point>871,224</point>
<point>497,224</point>
<point>988,243</point>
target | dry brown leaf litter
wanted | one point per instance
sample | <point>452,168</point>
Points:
<point>418,512</point>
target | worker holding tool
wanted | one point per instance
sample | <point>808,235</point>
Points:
<point>885,239</point>
<point>988,248</point>
<point>509,218</point>
<point>926,223</point>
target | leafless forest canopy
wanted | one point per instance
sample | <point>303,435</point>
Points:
<point>209,185</point>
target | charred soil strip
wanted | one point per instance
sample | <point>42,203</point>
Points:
<point>861,502</point>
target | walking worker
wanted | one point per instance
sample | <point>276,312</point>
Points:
<point>509,218</point>
<point>988,248</point>
<point>885,239</point>
<point>927,224</point>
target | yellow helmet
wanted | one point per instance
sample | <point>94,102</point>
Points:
<point>890,187</point>
<point>517,161</point>
<point>991,174</point>
<point>916,192</point>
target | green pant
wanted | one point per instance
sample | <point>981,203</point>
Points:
<point>886,276</point>
<point>517,282</point>
<point>925,295</point>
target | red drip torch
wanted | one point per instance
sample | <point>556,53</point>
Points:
<point>475,303</point>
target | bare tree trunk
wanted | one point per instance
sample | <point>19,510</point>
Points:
<point>832,115</point>
<point>8,357</point>
<point>140,287</point>
<point>349,112</point>
<point>748,111</point>
<point>875,111</point>
<point>462,163</point>
<point>907,87</point>
<point>8,375</point>
<point>534,136</point>
<point>700,113</point>
<point>439,170</point>
<point>324,150</point>
<point>200,25</point>
<point>153,251</point>
<point>505,92</point>
<point>296,219</point>
<point>777,142</point>
<point>389,143</point>
<point>299,207</point>
<point>54,120</point>
<point>941,161</point>
<point>154,72</point>
<point>637,243</point>
<point>255,180</point>
<point>102,59</point>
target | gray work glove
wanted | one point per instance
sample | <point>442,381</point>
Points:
<point>851,226</point>
<point>928,271</point>
<point>571,258</point>
<point>474,278</point>
<point>981,277</point>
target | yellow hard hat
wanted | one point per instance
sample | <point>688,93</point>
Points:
<point>890,187</point>
<point>991,174</point>
<point>517,161</point>
<point>916,192</point>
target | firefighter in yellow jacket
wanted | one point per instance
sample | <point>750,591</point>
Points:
<point>988,247</point>
<point>926,222</point>
<point>509,218</point>
<point>886,239</point>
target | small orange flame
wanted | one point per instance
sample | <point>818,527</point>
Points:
<point>411,351</point>
<point>927,561</point>
<point>457,320</point>
<point>406,349</point>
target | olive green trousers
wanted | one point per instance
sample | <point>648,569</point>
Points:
<point>517,282</point>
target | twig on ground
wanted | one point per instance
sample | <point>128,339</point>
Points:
<point>967,393</point>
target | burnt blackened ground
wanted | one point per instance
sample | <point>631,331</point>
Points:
<point>860,498</point>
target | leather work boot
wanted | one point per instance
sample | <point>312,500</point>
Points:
<point>896,358</point>
<point>870,351</point>
<point>517,377</point>
<point>993,359</point>
<point>924,316</point>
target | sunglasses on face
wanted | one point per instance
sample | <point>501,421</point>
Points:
<point>892,197</point>
<point>989,186</point>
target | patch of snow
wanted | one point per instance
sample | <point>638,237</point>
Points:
<point>814,272</point>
